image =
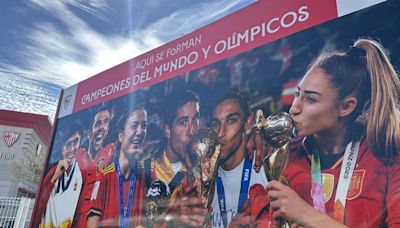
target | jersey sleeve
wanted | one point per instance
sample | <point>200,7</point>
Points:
<point>44,196</point>
<point>255,212</point>
<point>393,195</point>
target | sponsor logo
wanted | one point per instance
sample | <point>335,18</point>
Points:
<point>246,175</point>
<point>10,138</point>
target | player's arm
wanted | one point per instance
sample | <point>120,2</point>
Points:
<point>44,195</point>
<point>393,195</point>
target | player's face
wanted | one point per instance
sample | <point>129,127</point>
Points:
<point>134,133</point>
<point>228,121</point>
<point>315,108</point>
<point>185,125</point>
<point>100,129</point>
<point>71,146</point>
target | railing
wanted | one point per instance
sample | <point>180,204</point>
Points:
<point>15,212</point>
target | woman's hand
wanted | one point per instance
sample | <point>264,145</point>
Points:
<point>287,204</point>
<point>256,143</point>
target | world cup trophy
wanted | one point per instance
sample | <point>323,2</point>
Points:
<point>276,130</point>
<point>204,154</point>
<point>202,162</point>
<point>204,157</point>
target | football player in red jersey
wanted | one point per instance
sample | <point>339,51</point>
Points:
<point>97,154</point>
<point>96,157</point>
<point>118,200</point>
<point>344,171</point>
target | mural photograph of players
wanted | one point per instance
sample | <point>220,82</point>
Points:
<point>332,161</point>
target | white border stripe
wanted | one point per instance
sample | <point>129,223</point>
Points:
<point>345,7</point>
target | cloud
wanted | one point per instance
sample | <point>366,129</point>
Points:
<point>63,48</point>
<point>70,51</point>
<point>185,21</point>
<point>93,7</point>
<point>22,94</point>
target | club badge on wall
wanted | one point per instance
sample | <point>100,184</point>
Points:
<point>10,138</point>
<point>67,101</point>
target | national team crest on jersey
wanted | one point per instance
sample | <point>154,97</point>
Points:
<point>10,138</point>
<point>356,184</point>
<point>328,181</point>
<point>101,164</point>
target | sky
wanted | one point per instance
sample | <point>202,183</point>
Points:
<point>47,45</point>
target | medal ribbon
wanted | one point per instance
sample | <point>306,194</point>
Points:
<point>61,180</point>
<point>244,188</point>
<point>346,172</point>
<point>317,193</point>
<point>124,221</point>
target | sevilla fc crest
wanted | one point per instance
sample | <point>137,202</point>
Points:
<point>67,100</point>
<point>10,138</point>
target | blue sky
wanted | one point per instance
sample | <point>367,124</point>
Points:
<point>47,45</point>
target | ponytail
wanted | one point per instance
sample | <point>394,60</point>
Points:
<point>366,72</point>
<point>383,118</point>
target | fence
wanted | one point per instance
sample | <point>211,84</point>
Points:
<point>15,212</point>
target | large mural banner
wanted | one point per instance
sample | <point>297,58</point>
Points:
<point>173,137</point>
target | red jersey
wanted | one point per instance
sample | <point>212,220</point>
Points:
<point>93,168</point>
<point>373,198</point>
<point>106,202</point>
<point>100,161</point>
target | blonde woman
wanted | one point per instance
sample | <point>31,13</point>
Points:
<point>344,170</point>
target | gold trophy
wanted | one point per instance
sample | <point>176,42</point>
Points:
<point>202,162</point>
<point>156,202</point>
<point>203,155</point>
<point>276,130</point>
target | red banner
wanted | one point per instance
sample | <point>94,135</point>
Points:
<point>255,25</point>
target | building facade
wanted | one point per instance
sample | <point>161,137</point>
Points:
<point>24,141</point>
